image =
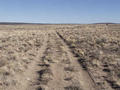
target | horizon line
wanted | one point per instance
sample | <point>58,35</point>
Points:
<point>54,23</point>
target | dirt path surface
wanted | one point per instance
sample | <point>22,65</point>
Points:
<point>60,70</point>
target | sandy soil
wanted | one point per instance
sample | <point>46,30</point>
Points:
<point>60,57</point>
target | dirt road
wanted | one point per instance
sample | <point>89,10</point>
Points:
<point>54,68</point>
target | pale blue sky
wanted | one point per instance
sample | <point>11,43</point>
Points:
<point>60,11</point>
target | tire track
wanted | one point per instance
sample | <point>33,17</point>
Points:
<point>35,83</point>
<point>88,74</point>
<point>28,80</point>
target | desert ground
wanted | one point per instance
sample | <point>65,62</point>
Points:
<point>60,57</point>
